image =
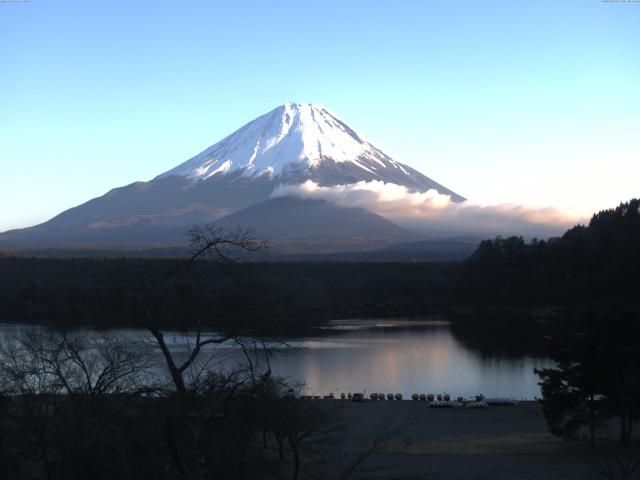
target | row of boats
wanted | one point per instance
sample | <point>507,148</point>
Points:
<point>435,401</point>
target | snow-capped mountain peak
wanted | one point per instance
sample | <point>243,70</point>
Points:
<point>292,136</point>
<point>297,142</point>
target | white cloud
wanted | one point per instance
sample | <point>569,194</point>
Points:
<point>436,213</point>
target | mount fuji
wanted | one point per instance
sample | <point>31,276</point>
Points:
<point>232,182</point>
<point>298,142</point>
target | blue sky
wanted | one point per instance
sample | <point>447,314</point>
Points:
<point>501,101</point>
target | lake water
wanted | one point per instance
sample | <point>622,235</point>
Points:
<point>390,356</point>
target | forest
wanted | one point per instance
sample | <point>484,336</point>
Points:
<point>88,291</point>
<point>595,263</point>
<point>590,265</point>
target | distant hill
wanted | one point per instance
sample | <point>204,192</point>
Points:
<point>303,218</point>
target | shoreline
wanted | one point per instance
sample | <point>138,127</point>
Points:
<point>498,443</point>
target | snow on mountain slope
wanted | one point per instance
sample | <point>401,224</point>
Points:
<point>295,142</point>
<point>292,135</point>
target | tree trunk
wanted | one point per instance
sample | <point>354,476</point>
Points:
<point>623,430</point>
<point>280,442</point>
<point>592,423</point>
<point>628,430</point>
<point>170,438</point>
<point>296,460</point>
<point>176,374</point>
<point>44,452</point>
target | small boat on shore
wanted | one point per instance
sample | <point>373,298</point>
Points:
<point>446,404</point>
<point>502,402</point>
<point>475,404</point>
<point>442,400</point>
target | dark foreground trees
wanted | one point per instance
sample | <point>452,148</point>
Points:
<point>597,377</point>
<point>65,398</point>
<point>74,407</point>
<point>78,407</point>
<point>154,296</point>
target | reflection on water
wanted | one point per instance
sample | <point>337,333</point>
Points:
<point>406,357</point>
<point>392,357</point>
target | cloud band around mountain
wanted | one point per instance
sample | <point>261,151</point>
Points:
<point>433,212</point>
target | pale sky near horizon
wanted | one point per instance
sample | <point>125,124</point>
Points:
<point>501,101</point>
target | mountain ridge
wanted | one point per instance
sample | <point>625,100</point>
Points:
<point>291,144</point>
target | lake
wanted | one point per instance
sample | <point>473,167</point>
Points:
<point>390,356</point>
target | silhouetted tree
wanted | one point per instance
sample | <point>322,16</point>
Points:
<point>594,263</point>
<point>66,393</point>
<point>597,374</point>
<point>207,243</point>
<point>572,392</point>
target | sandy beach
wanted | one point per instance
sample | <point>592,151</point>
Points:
<point>495,443</point>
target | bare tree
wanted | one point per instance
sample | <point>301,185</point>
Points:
<point>205,395</point>
<point>306,426</point>
<point>65,392</point>
<point>22,378</point>
<point>207,243</point>
<point>77,365</point>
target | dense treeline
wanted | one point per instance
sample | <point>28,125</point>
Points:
<point>595,263</point>
<point>588,264</point>
<point>88,291</point>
